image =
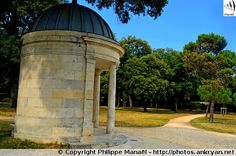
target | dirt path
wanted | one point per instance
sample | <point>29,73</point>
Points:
<point>183,121</point>
<point>178,133</point>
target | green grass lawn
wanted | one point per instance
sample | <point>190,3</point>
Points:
<point>223,124</point>
<point>6,110</point>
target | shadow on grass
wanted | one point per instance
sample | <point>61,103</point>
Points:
<point>159,111</point>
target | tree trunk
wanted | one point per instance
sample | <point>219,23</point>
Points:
<point>144,106</point>
<point>165,103</point>
<point>211,119</point>
<point>130,102</point>
<point>207,109</point>
<point>176,104</point>
<point>14,91</point>
<point>190,107</point>
<point>118,100</point>
<point>224,112</point>
<point>176,107</point>
<point>124,103</point>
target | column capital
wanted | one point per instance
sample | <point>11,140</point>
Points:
<point>114,65</point>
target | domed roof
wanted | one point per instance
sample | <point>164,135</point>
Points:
<point>73,17</point>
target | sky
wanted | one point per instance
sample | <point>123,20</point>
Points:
<point>181,22</point>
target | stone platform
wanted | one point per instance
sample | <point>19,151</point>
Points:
<point>101,140</point>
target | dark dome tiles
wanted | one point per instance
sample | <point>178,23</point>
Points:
<point>73,17</point>
<point>63,22</point>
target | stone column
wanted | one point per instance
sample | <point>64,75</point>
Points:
<point>96,98</point>
<point>111,100</point>
<point>87,129</point>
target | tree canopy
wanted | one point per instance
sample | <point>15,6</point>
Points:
<point>124,9</point>
<point>134,47</point>
<point>207,43</point>
<point>17,17</point>
<point>145,76</point>
<point>171,79</point>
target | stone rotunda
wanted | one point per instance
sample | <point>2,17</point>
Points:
<point>59,87</point>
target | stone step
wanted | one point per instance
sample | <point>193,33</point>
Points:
<point>104,141</point>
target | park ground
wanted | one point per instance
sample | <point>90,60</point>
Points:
<point>178,133</point>
<point>156,127</point>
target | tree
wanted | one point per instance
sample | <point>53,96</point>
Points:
<point>144,79</point>
<point>178,90</point>
<point>211,43</point>
<point>211,90</point>
<point>225,97</point>
<point>9,67</point>
<point>226,61</point>
<point>124,9</point>
<point>200,66</point>
<point>134,47</point>
<point>16,18</point>
<point>234,99</point>
<point>191,47</point>
<point>197,67</point>
<point>207,43</point>
<point>209,64</point>
<point>104,87</point>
